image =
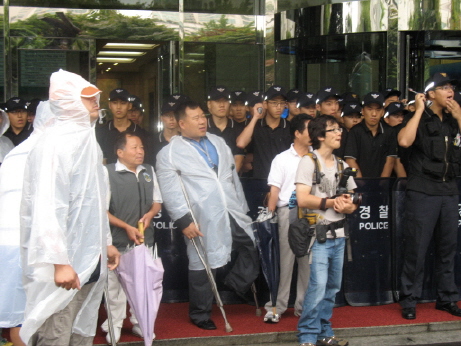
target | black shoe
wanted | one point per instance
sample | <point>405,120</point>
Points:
<point>409,313</point>
<point>451,308</point>
<point>205,324</point>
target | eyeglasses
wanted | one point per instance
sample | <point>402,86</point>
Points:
<point>277,104</point>
<point>338,129</point>
<point>445,87</point>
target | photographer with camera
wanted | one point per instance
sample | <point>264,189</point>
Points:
<point>317,183</point>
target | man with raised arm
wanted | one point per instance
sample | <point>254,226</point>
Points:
<point>431,207</point>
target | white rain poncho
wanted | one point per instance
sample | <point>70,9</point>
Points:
<point>212,197</point>
<point>5,143</point>
<point>63,210</point>
<point>12,296</point>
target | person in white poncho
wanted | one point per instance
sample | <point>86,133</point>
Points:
<point>205,165</point>
<point>64,225</point>
<point>12,296</point>
<point>5,143</point>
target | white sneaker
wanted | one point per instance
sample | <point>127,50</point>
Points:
<point>136,330</point>
<point>117,332</point>
<point>271,318</point>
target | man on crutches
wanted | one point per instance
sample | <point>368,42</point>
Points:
<point>202,193</point>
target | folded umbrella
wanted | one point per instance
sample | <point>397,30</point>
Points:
<point>141,275</point>
<point>267,240</point>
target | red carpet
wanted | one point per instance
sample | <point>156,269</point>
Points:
<point>173,321</point>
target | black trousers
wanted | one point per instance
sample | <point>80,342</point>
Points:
<point>241,276</point>
<point>427,217</point>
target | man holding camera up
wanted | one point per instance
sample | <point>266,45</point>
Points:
<point>328,248</point>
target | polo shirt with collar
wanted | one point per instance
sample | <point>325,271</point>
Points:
<point>21,136</point>
<point>370,151</point>
<point>267,143</point>
<point>229,134</point>
<point>107,135</point>
<point>283,173</point>
<point>156,143</point>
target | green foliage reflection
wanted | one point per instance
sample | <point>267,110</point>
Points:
<point>107,24</point>
<point>222,31</point>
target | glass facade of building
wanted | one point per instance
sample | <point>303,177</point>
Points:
<point>244,44</point>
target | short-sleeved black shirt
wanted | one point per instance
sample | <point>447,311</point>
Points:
<point>370,151</point>
<point>240,126</point>
<point>21,136</point>
<point>229,134</point>
<point>107,135</point>
<point>156,143</point>
<point>429,128</point>
<point>268,143</point>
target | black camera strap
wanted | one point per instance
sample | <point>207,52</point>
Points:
<point>316,179</point>
<point>317,176</point>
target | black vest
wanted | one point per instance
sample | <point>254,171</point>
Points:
<point>436,157</point>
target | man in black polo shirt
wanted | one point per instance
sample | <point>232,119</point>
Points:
<point>136,113</point>
<point>306,104</point>
<point>351,114</point>
<point>292,103</point>
<point>253,103</point>
<point>327,102</point>
<point>219,124</point>
<point>269,135</point>
<point>394,113</point>
<point>19,129</point>
<point>431,209</point>
<point>119,104</point>
<point>170,125</point>
<point>371,145</point>
<point>391,95</point>
<point>238,110</point>
<point>32,109</point>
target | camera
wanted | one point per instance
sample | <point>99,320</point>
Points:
<point>341,189</point>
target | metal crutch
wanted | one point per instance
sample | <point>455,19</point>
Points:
<point>204,259</point>
<point>109,314</point>
<point>255,296</point>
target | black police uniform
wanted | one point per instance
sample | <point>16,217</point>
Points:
<point>268,143</point>
<point>431,208</point>
<point>229,134</point>
<point>156,143</point>
<point>21,136</point>
<point>370,151</point>
<point>107,136</point>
